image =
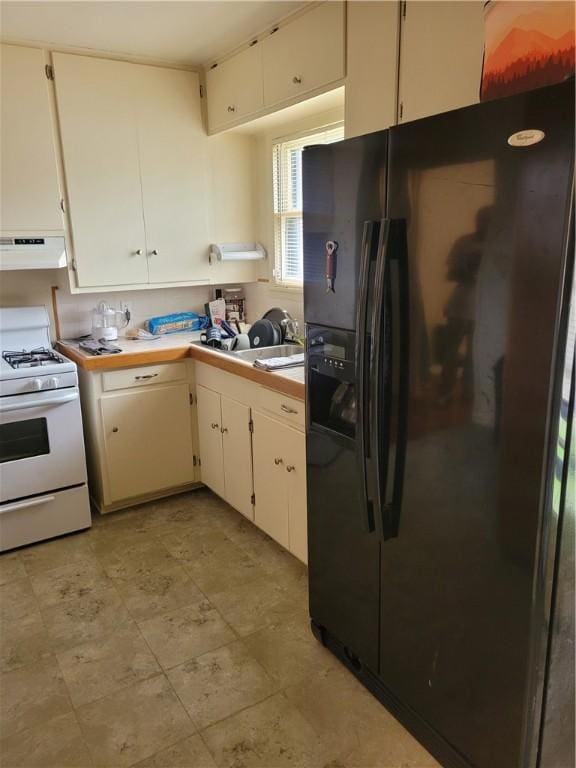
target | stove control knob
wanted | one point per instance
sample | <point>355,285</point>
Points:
<point>36,384</point>
<point>54,382</point>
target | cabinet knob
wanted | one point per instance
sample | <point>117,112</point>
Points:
<point>153,252</point>
<point>231,108</point>
<point>114,429</point>
<point>214,425</point>
<point>138,252</point>
<point>291,468</point>
<point>224,430</point>
<point>278,461</point>
<point>296,79</point>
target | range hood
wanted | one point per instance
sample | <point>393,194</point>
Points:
<point>25,252</point>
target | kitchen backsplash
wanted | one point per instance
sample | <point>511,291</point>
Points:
<point>74,310</point>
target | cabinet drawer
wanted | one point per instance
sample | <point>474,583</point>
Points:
<point>144,376</point>
<point>282,407</point>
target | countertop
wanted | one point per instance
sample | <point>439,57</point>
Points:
<point>180,346</point>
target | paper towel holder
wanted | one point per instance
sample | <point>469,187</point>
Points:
<point>236,252</point>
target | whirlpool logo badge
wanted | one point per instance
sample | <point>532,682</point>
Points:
<point>526,138</point>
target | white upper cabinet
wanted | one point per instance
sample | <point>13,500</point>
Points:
<point>305,54</point>
<point>372,38</point>
<point>298,59</point>
<point>174,173</point>
<point>100,146</point>
<point>234,88</point>
<point>30,199</point>
<point>135,159</point>
<point>441,53</point>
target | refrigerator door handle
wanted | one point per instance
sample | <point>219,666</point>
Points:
<point>389,373</point>
<point>362,356</point>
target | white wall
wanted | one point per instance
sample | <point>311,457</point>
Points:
<point>264,294</point>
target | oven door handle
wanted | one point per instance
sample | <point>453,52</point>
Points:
<point>47,402</point>
<point>18,505</point>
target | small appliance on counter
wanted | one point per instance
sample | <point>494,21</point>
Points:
<point>106,321</point>
<point>43,490</point>
<point>235,303</point>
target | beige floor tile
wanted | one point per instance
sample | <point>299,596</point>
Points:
<point>11,568</point>
<point>258,604</point>
<point>57,743</point>
<point>271,734</point>
<point>106,665</point>
<point>222,565</point>
<point>134,723</point>
<point>31,695</point>
<point>220,683</point>
<point>189,753</point>
<point>17,600</point>
<point>159,591</point>
<point>69,582</point>
<point>348,719</point>
<point>289,652</point>
<point>393,747</point>
<point>185,633</point>
<point>133,560</point>
<point>86,618</point>
<point>67,550</point>
<point>188,547</point>
<point>23,641</point>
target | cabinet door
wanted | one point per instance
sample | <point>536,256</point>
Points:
<point>210,439</point>
<point>234,88</point>
<point>96,108</point>
<point>237,444</point>
<point>295,448</point>
<point>270,478</point>
<point>30,197</point>
<point>372,35</point>
<point>147,440</point>
<point>173,161</point>
<point>305,54</point>
<point>441,49</point>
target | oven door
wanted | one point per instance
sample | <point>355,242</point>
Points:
<point>41,443</point>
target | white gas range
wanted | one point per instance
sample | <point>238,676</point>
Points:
<point>43,491</point>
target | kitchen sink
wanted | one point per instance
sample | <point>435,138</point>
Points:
<point>265,353</point>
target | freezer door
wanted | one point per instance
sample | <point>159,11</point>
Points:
<point>343,186</point>
<point>484,200</point>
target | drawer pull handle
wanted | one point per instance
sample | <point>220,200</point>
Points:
<point>296,79</point>
<point>146,376</point>
<point>224,430</point>
<point>291,468</point>
<point>231,109</point>
<point>278,462</point>
<point>287,409</point>
<point>214,425</point>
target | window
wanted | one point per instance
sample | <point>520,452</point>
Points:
<point>287,163</point>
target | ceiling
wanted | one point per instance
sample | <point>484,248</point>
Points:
<point>190,32</point>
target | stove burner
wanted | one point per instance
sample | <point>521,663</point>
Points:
<point>32,359</point>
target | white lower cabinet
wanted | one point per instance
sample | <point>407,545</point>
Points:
<point>226,448</point>
<point>148,440</point>
<point>280,483</point>
<point>140,435</point>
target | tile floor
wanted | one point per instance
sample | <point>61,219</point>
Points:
<point>176,635</point>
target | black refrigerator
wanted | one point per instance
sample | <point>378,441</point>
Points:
<point>438,276</point>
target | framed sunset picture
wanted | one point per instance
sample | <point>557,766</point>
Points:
<point>528,44</point>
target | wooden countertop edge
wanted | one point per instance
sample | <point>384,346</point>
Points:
<point>218,360</point>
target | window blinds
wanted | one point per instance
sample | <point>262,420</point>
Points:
<point>287,164</point>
